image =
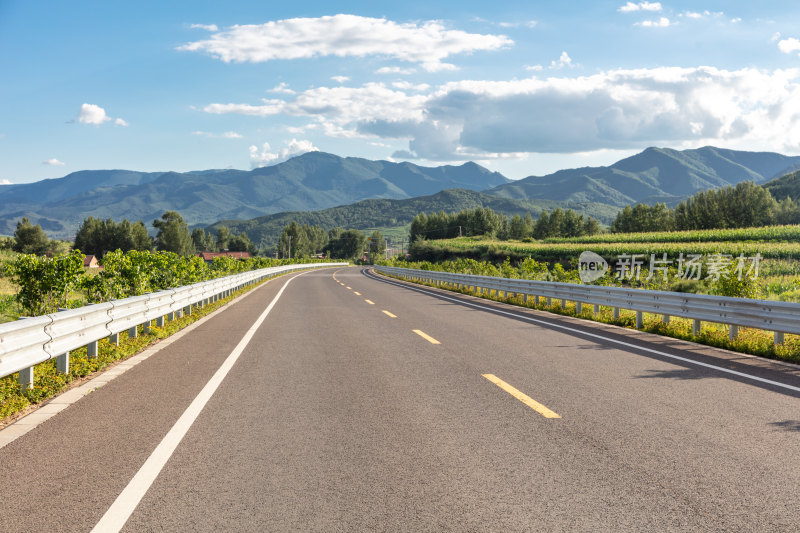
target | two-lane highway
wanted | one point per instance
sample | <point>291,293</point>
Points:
<point>361,403</point>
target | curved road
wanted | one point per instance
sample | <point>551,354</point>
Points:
<point>365,404</point>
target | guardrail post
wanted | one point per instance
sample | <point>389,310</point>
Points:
<point>160,321</point>
<point>616,313</point>
<point>535,299</point>
<point>525,298</point>
<point>91,350</point>
<point>26,378</point>
<point>62,363</point>
<point>639,320</point>
<point>665,319</point>
<point>548,301</point>
<point>696,327</point>
<point>114,339</point>
<point>778,337</point>
<point>733,331</point>
<point>171,316</point>
<point>578,307</point>
<point>146,327</point>
<point>563,303</point>
<point>188,309</point>
<point>595,309</point>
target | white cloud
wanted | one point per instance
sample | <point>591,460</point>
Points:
<point>408,86</point>
<point>92,114</point>
<point>663,22</point>
<point>527,24</point>
<point>563,61</point>
<point>266,157</point>
<point>96,115</point>
<point>631,7</point>
<point>395,70</point>
<point>226,135</point>
<point>789,46</point>
<point>775,37</point>
<point>534,68</point>
<point>53,162</point>
<point>693,15</point>
<point>5,182</point>
<point>283,88</point>
<point>736,20</point>
<point>207,27</point>
<point>427,43</point>
<point>340,79</point>
<point>611,110</point>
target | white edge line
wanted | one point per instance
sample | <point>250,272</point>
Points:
<point>117,515</point>
<point>595,335</point>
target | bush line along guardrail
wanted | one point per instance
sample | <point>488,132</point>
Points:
<point>778,317</point>
<point>30,341</point>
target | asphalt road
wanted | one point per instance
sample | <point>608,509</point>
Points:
<point>361,404</point>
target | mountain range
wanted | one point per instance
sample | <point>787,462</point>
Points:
<point>654,175</point>
<point>318,181</point>
<point>311,181</point>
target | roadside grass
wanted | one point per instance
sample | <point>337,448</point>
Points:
<point>48,383</point>
<point>751,341</point>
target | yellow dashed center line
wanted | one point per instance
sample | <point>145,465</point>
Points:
<point>357,293</point>
<point>426,337</point>
<point>524,398</point>
<point>350,288</point>
<point>370,302</point>
<point>390,315</point>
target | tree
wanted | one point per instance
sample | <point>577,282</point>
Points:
<point>173,234</point>
<point>223,237</point>
<point>96,237</point>
<point>377,246</point>
<point>30,239</point>
<point>345,244</point>
<point>241,243</point>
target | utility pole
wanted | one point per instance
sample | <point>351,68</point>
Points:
<point>290,246</point>
<point>459,231</point>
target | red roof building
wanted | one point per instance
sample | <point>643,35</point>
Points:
<point>209,256</point>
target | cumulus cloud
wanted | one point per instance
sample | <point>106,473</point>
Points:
<point>207,27</point>
<point>96,115</point>
<point>395,70</point>
<point>53,162</point>
<point>340,79</point>
<point>631,7</point>
<point>92,114</point>
<point>789,46</point>
<point>427,43</point>
<point>563,61</point>
<point>283,88</point>
<point>663,22</point>
<point>266,157</point>
<point>614,110</point>
<point>5,182</point>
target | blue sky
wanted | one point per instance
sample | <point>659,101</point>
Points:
<point>524,88</point>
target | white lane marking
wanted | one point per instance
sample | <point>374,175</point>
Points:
<point>596,336</point>
<point>122,508</point>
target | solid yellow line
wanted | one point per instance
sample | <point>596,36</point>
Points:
<point>370,302</point>
<point>524,398</point>
<point>357,293</point>
<point>426,336</point>
<point>390,315</point>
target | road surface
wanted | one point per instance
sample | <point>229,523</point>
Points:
<point>361,403</point>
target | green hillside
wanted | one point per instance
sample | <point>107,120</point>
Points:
<point>785,186</point>
<point>384,214</point>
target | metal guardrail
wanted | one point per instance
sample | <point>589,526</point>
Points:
<point>779,317</point>
<point>31,341</point>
